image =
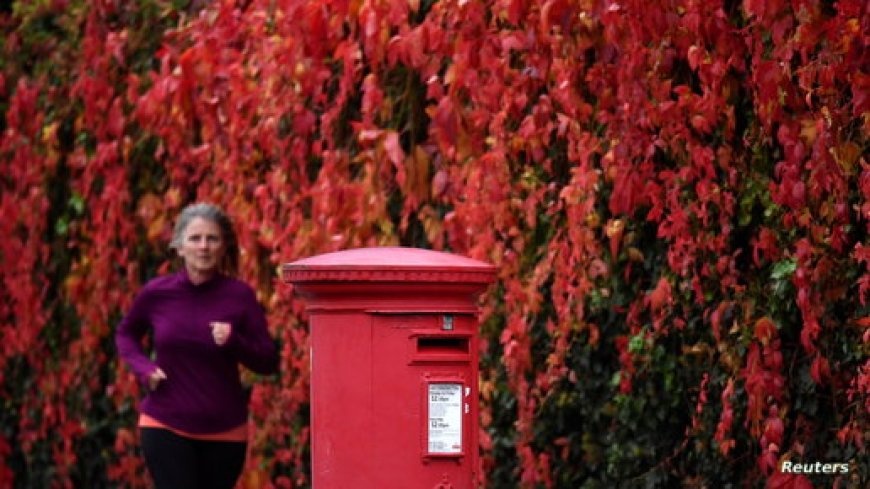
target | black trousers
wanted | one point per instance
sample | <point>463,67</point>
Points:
<point>178,462</point>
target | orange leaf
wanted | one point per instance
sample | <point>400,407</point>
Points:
<point>764,330</point>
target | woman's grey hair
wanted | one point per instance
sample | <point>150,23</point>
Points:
<point>215,214</point>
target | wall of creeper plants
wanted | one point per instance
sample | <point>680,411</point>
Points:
<point>675,193</point>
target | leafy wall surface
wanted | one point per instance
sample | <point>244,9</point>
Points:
<point>675,194</point>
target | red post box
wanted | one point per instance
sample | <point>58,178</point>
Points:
<point>394,374</point>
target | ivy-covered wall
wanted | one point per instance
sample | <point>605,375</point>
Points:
<point>676,194</point>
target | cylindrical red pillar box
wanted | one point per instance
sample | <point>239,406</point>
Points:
<point>394,375</point>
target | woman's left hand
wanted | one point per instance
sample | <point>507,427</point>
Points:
<point>220,331</point>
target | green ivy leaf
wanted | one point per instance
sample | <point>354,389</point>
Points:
<point>784,269</point>
<point>61,227</point>
<point>77,204</point>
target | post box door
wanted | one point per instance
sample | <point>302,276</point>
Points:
<point>424,381</point>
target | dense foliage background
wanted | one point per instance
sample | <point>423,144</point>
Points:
<point>676,194</point>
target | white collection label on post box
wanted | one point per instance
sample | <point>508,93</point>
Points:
<point>445,418</point>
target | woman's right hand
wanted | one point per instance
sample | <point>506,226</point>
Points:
<point>156,377</point>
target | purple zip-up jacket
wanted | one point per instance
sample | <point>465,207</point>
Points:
<point>202,392</point>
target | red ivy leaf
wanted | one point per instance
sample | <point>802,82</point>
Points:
<point>373,97</point>
<point>116,119</point>
<point>394,149</point>
<point>661,295</point>
<point>821,369</point>
<point>773,429</point>
<point>781,480</point>
<point>764,330</point>
<point>767,461</point>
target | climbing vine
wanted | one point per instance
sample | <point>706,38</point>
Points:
<point>676,196</point>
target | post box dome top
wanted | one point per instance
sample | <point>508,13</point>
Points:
<point>388,264</point>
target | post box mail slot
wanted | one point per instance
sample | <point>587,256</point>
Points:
<point>439,345</point>
<point>394,375</point>
<point>433,347</point>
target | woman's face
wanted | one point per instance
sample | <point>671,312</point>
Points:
<point>202,247</point>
